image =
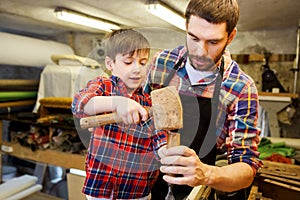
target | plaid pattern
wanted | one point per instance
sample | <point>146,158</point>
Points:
<point>121,158</point>
<point>238,108</point>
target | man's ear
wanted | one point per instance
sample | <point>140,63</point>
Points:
<point>231,36</point>
<point>108,63</point>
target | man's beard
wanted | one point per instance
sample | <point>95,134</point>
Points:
<point>211,63</point>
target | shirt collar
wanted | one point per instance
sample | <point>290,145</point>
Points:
<point>200,77</point>
<point>122,91</point>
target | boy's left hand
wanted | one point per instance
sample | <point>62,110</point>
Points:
<point>131,112</point>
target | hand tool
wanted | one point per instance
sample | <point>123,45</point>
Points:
<point>168,104</point>
<point>166,111</point>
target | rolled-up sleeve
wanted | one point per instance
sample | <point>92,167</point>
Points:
<point>94,88</point>
<point>243,139</point>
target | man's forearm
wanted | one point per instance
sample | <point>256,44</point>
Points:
<point>230,178</point>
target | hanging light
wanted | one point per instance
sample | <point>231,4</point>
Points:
<point>166,13</point>
<point>84,19</point>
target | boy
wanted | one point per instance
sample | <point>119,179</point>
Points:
<point>121,161</point>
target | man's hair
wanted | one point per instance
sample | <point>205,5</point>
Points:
<point>125,41</point>
<point>215,11</point>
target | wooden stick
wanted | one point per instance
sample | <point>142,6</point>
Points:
<point>17,103</point>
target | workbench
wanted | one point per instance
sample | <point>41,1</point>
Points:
<point>273,103</point>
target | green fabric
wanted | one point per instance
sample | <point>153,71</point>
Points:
<point>17,95</point>
<point>267,148</point>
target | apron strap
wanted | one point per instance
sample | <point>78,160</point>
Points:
<point>174,70</point>
<point>211,132</point>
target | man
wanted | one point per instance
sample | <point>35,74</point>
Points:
<point>220,104</point>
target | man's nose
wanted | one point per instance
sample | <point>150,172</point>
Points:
<point>202,48</point>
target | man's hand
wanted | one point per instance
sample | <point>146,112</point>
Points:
<point>130,111</point>
<point>182,160</point>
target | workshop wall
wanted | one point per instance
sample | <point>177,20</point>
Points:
<point>247,49</point>
<point>280,43</point>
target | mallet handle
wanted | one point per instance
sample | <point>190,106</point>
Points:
<point>173,139</point>
<point>100,120</point>
<point>104,119</point>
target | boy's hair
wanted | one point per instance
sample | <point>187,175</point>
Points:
<point>125,41</point>
<point>215,11</point>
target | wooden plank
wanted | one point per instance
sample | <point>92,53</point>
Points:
<point>18,82</point>
<point>41,196</point>
<point>196,192</point>
<point>17,103</point>
<point>57,158</point>
<point>278,94</point>
<point>281,169</point>
<point>281,179</point>
<point>277,190</point>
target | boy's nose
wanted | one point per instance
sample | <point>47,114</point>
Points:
<point>136,67</point>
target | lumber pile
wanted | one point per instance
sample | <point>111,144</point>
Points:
<point>276,181</point>
<point>19,187</point>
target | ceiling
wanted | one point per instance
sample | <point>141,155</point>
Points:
<point>35,18</point>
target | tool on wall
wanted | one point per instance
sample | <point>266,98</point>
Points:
<point>269,79</point>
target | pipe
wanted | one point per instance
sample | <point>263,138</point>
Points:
<point>297,67</point>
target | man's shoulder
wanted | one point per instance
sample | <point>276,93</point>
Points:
<point>237,78</point>
<point>237,73</point>
<point>172,53</point>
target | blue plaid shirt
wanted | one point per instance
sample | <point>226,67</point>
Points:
<point>238,103</point>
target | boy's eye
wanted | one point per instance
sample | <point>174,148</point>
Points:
<point>128,63</point>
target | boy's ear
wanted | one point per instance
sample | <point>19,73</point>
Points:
<point>108,63</point>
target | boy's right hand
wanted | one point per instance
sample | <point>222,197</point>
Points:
<point>130,111</point>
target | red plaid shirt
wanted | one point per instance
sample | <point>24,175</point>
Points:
<point>121,158</point>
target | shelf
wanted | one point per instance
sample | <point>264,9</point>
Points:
<point>14,117</point>
<point>276,97</point>
<point>273,103</point>
<point>52,157</point>
<point>45,156</point>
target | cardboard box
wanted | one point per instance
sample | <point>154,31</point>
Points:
<point>75,182</point>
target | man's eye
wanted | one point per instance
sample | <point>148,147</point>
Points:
<point>213,42</point>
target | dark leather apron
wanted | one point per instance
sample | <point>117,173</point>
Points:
<point>199,117</point>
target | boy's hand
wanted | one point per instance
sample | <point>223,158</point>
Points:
<point>130,111</point>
